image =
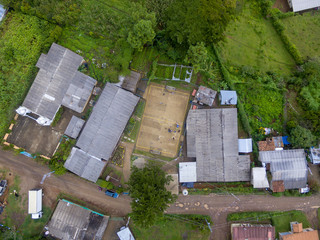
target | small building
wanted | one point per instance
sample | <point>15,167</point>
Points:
<point>246,231</point>
<point>131,81</point>
<point>187,172</point>
<point>299,233</point>
<point>74,127</point>
<point>259,178</point>
<point>2,12</point>
<point>228,97</point>
<point>315,155</point>
<point>206,96</point>
<point>72,221</point>
<point>245,145</point>
<point>271,144</point>
<point>125,234</point>
<point>35,203</point>
<point>303,5</point>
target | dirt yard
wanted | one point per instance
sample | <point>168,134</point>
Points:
<point>163,120</point>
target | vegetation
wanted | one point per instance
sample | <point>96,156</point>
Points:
<point>57,117</point>
<point>301,137</point>
<point>173,226</point>
<point>149,195</point>
<point>105,184</point>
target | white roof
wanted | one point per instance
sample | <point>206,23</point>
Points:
<point>245,145</point>
<point>301,5</point>
<point>125,234</point>
<point>259,178</point>
<point>187,172</point>
<point>2,12</point>
<point>228,97</point>
<point>35,201</point>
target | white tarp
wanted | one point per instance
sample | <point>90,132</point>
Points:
<point>35,201</point>
<point>245,145</point>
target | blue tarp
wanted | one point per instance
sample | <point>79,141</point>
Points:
<point>187,184</point>
<point>27,154</point>
<point>285,140</point>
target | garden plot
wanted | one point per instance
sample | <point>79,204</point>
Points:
<point>174,72</point>
<point>162,121</point>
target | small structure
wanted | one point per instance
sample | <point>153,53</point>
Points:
<point>315,155</point>
<point>271,144</point>
<point>259,178</point>
<point>228,97</point>
<point>74,127</point>
<point>303,5</point>
<point>278,186</point>
<point>2,12</point>
<point>206,96</point>
<point>245,231</point>
<point>125,234</point>
<point>173,187</point>
<point>245,145</point>
<point>35,203</point>
<point>131,81</point>
<point>299,233</point>
<point>187,172</point>
<point>278,143</point>
<point>72,221</point>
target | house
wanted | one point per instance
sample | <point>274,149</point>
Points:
<point>241,231</point>
<point>212,138</point>
<point>125,234</point>
<point>245,145</point>
<point>271,144</point>
<point>35,203</point>
<point>131,81</point>
<point>58,83</point>
<point>3,12</point>
<point>74,127</point>
<point>228,97</point>
<point>315,155</point>
<point>102,132</point>
<point>288,168</point>
<point>299,233</point>
<point>72,221</point>
<point>303,5</point>
<point>206,96</point>
<point>259,178</point>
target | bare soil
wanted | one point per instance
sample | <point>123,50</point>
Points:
<point>282,5</point>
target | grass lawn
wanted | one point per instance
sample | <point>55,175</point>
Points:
<point>252,41</point>
<point>303,31</point>
<point>172,227</point>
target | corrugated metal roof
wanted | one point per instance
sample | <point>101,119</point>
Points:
<point>308,235</point>
<point>74,127</point>
<point>187,172</point>
<point>301,5</point>
<point>84,165</point>
<point>228,97</point>
<point>71,221</point>
<point>2,12</point>
<point>259,178</point>
<point>125,234</point>
<point>212,137</point>
<point>253,232</point>
<point>206,95</point>
<point>107,122</point>
<point>35,201</point>
<point>130,82</point>
<point>245,145</point>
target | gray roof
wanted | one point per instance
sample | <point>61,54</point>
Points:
<point>131,81</point>
<point>107,122</point>
<point>57,76</point>
<point>301,5</point>
<point>287,165</point>
<point>259,177</point>
<point>212,137</point>
<point>2,12</point>
<point>84,165</point>
<point>71,221</point>
<point>206,95</point>
<point>228,97</point>
<point>74,127</point>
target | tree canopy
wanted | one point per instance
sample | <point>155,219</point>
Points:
<point>301,137</point>
<point>149,195</point>
<point>198,56</point>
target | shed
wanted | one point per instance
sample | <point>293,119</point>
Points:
<point>245,145</point>
<point>2,12</point>
<point>206,96</point>
<point>187,172</point>
<point>315,155</point>
<point>125,234</point>
<point>74,127</point>
<point>131,81</point>
<point>228,97</point>
<point>267,145</point>
<point>35,203</point>
<point>303,5</point>
<point>259,178</point>
<point>72,221</point>
<point>247,231</point>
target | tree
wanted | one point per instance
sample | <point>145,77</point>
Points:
<point>149,194</point>
<point>190,22</point>
<point>141,34</point>
<point>159,7</point>
<point>301,137</point>
<point>198,56</point>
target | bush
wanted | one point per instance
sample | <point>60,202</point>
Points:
<point>105,184</point>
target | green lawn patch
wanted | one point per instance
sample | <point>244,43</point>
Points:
<point>303,30</point>
<point>174,226</point>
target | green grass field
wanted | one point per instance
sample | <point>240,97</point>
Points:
<point>304,31</point>
<point>172,227</point>
<point>252,41</point>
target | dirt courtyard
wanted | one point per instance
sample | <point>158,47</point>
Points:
<point>163,120</point>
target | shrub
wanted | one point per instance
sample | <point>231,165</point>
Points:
<point>105,184</point>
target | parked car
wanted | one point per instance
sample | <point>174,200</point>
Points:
<point>3,185</point>
<point>112,194</point>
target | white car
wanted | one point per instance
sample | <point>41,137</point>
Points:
<point>3,185</point>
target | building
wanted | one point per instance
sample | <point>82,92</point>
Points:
<point>72,221</point>
<point>131,81</point>
<point>287,167</point>
<point>259,178</point>
<point>74,127</point>
<point>271,144</point>
<point>299,233</point>
<point>35,203</point>
<point>212,138</point>
<point>246,231</point>
<point>245,145</point>
<point>303,5</point>
<point>125,234</point>
<point>58,83</point>
<point>315,155</point>
<point>3,12</point>
<point>228,97</point>
<point>187,172</point>
<point>206,96</point>
<point>102,132</point>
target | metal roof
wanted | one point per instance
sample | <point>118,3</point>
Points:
<point>245,145</point>
<point>287,165</point>
<point>84,165</point>
<point>187,172</point>
<point>252,232</point>
<point>2,12</point>
<point>301,5</point>
<point>259,178</point>
<point>125,234</point>
<point>35,201</point>
<point>74,127</point>
<point>71,221</point>
<point>212,137</point>
<point>206,95</point>
<point>107,122</point>
<point>315,155</point>
<point>131,81</point>
<point>228,97</point>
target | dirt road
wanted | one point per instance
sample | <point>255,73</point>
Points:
<point>217,206</point>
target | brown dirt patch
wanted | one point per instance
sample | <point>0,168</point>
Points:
<point>282,5</point>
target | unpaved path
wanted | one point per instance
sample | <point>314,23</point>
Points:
<point>127,160</point>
